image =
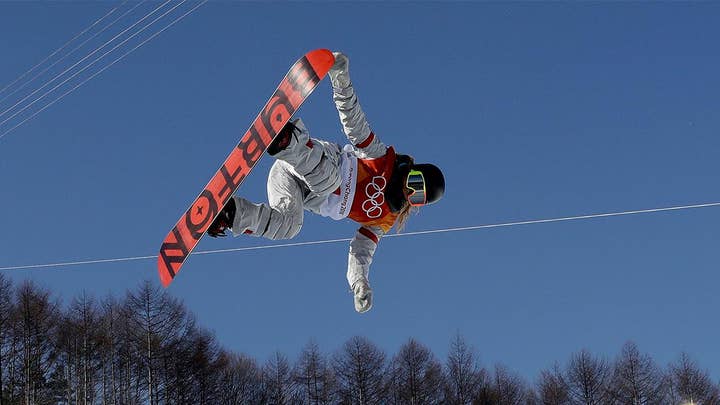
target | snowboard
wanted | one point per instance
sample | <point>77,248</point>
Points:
<point>299,82</point>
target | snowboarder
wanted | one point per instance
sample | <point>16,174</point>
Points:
<point>366,181</point>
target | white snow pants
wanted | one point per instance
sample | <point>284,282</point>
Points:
<point>305,173</point>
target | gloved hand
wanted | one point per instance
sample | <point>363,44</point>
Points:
<point>363,296</point>
<point>340,71</point>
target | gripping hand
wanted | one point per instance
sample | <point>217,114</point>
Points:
<point>340,71</point>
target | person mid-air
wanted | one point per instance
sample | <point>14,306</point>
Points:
<point>365,181</point>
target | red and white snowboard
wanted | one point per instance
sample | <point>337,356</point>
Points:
<point>297,85</point>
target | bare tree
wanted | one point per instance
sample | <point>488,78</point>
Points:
<point>509,388</point>
<point>188,366</point>
<point>278,378</point>
<point>129,355</point>
<point>415,375</point>
<point>503,388</point>
<point>37,319</point>
<point>688,383</point>
<point>636,380</point>
<point>67,359</point>
<point>107,338</point>
<point>463,376</point>
<point>552,388</point>
<point>148,349</point>
<point>587,378</point>
<point>241,379</point>
<point>6,314</point>
<point>155,319</point>
<point>200,358</point>
<point>314,378</point>
<point>83,315</point>
<point>14,386</point>
<point>359,367</point>
<point>532,397</point>
<point>183,364</point>
<point>77,355</point>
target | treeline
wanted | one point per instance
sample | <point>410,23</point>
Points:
<point>147,348</point>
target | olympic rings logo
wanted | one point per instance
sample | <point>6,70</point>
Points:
<point>376,197</point>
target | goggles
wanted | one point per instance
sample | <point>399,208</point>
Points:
<point>416,184</point>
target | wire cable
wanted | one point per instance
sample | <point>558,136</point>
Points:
<point>104,68</point>
<point>84,59</point>
<point>32,79</point>
<point>433,231</point>
<point>62,47</point>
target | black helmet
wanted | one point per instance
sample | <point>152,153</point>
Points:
<point>431,181</point>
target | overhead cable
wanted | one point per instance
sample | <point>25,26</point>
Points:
<point>2,134</point>
<point>62,47</point>
<point>416,233</point>
<point>84,59</point>
<point>40,73</point>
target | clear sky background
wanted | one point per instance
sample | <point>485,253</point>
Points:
<point>532,110</point>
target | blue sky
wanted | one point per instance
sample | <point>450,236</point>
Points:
<point>532,110</point>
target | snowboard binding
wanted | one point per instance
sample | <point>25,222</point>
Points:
<point>283,138</point>
<point>223,221</point>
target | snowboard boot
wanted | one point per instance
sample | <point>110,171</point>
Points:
<point>316,161</point>
<point>363,296</point>
<point>282,140</point>
<point>223,221</point>
<point>294,146</point>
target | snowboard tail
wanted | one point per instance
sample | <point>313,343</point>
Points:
<point>293,90</point>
